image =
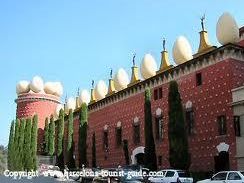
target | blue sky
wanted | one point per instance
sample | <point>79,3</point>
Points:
<point>75,41</point>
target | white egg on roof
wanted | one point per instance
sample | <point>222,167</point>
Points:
<point>71,103</point>
<point>22,87</point>
<point>148,66</point>
<point>101,90</point>
<point>121,79</point>
<point>227,30</point>
<point>37,84</point>
<point>58,89</point>
<point>84,97</point>
<point>49,88</point>
<point>182,51</point>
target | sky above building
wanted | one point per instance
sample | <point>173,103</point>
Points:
<point>75,41</point>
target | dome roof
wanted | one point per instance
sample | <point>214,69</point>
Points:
<point>36,84</point>
<point>58,108</point>
<point>121,79</point>
<point>227,30</point>
<point>182,51</point>
<point>148,66</point>
<point>58,89</point>
<point>23,87</point>
<point>101,90</point>
<point>49,88</point>
<point>84,97</point>
<point>71,103</point>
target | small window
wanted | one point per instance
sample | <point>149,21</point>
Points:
<point>170,174</point>
<point>118,136</point>
<point>159,160</point>
<point>105,140</point>
<point>199,79</point>
<point>220,176</point>
<point>237,126</point>
<point>160,93</point>
<point>190,121</point>
<point>155,93</point>
<point>136,133</point>
<point>222,125</point>
<point>159,127</point>
<point>234,176</point>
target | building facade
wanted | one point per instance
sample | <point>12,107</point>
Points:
<point>207,84</point>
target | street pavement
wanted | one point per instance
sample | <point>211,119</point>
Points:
<point>40,179</point>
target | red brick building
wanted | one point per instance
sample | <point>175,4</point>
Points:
<point>205,84</point>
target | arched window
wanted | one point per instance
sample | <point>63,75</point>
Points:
<point>136,131</point>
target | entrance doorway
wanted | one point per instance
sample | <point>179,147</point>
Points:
<point>222,161</point>
<point>139,158</point>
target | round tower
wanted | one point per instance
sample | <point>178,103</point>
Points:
<point>42,99</point>
<point>42,104</point>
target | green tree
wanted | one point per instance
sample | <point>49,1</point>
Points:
<point>11,147</point>
<point>16,146</point>
<point>150,153</point>
<point>34,142</point>
<point>21,144</point>
<point>27,146</point>
<point>179,156</point>
<point>126,152</point>
<point>70,144</point>
<point>83,135</point>
<point>60,131</point>
<point>46,133</point>
<point>94,158</point>
<point>51,136</point>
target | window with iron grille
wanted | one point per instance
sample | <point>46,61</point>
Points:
<point>157,93</point>
<point>105,139</point>
<point>199,79</point>
<point>222,125</point>
<point>159,127</point>
<point>136,134</point>
<point>118,136</point>
<point>237,126</point>
<point>190,121</point>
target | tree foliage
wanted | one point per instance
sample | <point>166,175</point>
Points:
<point>179,157</point>
<point>46,133</point>
<point>21,151</point>
<point>51,137</point>
<point>16,145</point>
<point>27,146</point>
<point>60,131</point>
<point>83,135</point>
<point>150,153</point>
<point>70,144</point>
<point>11,147</point>
<point>34,142</point>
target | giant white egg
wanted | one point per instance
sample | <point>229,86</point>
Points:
<point>37,84</point>
<point>121,79</point>
<point>148,66</point>
<point>227,30</point>
<point>58,89</point>
<point>49,88</point>
<point>84,97</point>
<point>101,90</point>
<point>182,51</point>
<point>71,103</point>
<point>23,87</point>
